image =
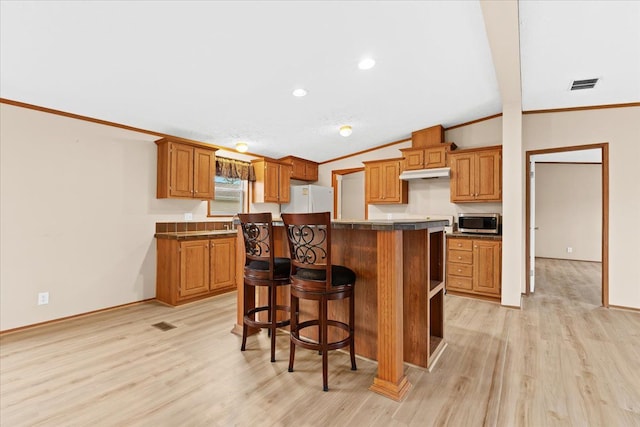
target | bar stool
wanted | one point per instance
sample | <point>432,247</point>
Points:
<point>262,269</point>
<point>313,277</point>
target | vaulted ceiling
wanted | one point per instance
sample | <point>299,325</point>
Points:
<point>224,71</point>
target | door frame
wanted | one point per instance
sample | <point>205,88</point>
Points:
<point>334,184</point>
<point>604,147</point>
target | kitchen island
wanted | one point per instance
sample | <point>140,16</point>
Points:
<point>399,292</point>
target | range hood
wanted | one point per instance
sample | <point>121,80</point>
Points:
<point>426,174</point>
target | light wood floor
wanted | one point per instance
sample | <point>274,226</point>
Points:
<point>560,361</point>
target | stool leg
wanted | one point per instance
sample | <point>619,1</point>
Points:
<point>272,319</point>
<point>293,327</point>
<point>352,322</point>
<point>324,340</point>
<point>245,309</point>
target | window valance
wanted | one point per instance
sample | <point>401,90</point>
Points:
<point>230,168</point>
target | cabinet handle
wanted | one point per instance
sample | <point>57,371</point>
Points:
<point>459,270</point>
<point>459,245</point>
<point>476,246</point>
<point>459,257</point>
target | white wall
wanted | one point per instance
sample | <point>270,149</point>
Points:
<point>77,218</point>
<point>620,127</point>
<point>569,211</point>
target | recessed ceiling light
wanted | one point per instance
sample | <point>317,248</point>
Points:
<point>242,147</point>
<point>366,64</point>
<point>345,130</point>
<point>299,92</point>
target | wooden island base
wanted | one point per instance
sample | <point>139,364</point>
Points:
<point>399,293</point>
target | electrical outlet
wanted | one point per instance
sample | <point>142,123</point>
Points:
<point>188,216</point>
<point>43,298</point>
<point>569,249</point>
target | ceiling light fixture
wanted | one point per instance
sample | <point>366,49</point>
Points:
<point>299,92</point>
<point>345,130</point>
<point>242,147</point>
<point>366,64</point>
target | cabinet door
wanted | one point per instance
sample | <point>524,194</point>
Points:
<point>462,177</point>
<point>414,159</point>
<point>486,266</point>
<point>271,182</point>
<point>181,172</point>
<point>311,171</point>
<point>284,183</point>
<point>204,173</point>
<point>223,268</point>
<point>373,179</point>
<point>391,182</point>
<point>298,170</point>
<point>488,176</point>
<point>435,157</point>
<point>194,268</point>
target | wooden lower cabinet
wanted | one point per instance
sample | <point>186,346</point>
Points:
<point>194,269</point>
<point>474,266</point>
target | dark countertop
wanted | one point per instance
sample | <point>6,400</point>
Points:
<point>193,235</point>
<point>475,236</point>
<point>376,224</point>
<point>388,224</point>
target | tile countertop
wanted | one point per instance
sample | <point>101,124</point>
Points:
<point>475,236</point>
<point>189,235</point>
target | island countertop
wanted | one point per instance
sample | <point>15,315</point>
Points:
<point>376,224</point>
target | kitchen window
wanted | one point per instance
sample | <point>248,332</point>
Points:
<point>229,197</point>
<point>231,186</point>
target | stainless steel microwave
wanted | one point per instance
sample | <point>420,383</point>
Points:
<point>483,223</point>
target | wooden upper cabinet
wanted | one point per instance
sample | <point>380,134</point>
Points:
<point>427,158</point>
<point>272,183</point>
<point>204,174</point>
<point>427,137</point>
<point>302,169</point>
<point>383,184</point>
<point>476,175</point>
<point>185,171</point>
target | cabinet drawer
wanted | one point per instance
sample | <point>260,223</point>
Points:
<point>458,282</point>
<point>461,244</point>
<point>465,270</point>
<point>463,257</point>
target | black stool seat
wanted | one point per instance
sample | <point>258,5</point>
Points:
<point>340,275</point>
<point>282,267</point>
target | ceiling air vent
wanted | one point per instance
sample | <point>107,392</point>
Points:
<point>583,84</point>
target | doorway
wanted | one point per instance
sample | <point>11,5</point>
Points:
<point>348,193</point>
<point>574,153</point>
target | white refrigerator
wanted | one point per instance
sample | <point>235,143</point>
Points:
<point>309,198</point>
